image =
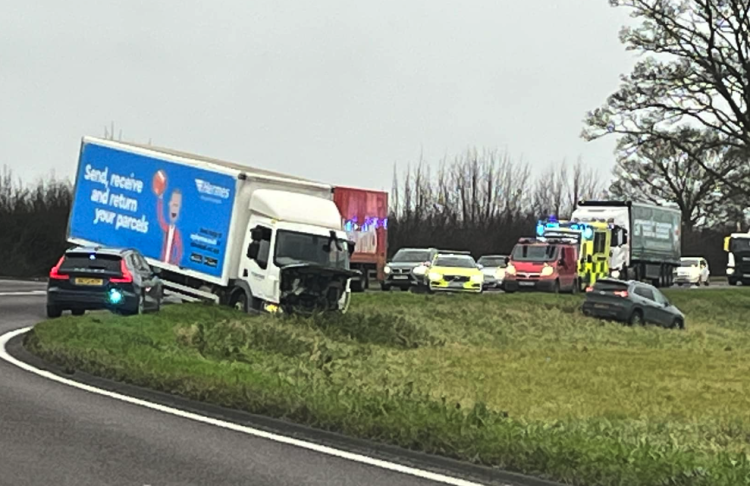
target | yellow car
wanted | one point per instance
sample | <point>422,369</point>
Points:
<point>455,272</point>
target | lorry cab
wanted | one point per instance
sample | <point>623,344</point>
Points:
<point>297,256</point>
<point>544,264</point>
<point>737,246</point>
<point>594,241</point>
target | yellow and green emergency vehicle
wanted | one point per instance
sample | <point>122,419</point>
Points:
<point>594,245</point>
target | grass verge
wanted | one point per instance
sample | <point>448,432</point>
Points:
<point>522,382</point>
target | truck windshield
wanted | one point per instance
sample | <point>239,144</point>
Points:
<point>739,245</point>
<point>409,256</point>
<point>534,253</point>
<point>293,247</point>
<point>689,263</point>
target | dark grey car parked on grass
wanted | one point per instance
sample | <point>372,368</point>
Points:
<point>103,278</point>
<point>399,272</point>
<point>632,302</point>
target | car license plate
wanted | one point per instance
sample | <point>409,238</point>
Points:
<point>526,284</point>
<point>400,277</point>
<point>89,281</point>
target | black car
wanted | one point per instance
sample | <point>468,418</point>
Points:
<point>103,278</point>
<point>631,302</point>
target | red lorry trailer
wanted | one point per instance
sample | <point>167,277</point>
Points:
<point>365,220</point>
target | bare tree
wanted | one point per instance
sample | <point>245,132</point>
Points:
<point>695,72</point>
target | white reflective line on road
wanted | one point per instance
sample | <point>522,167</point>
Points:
<point>20,294</point>
<point>440,478</point>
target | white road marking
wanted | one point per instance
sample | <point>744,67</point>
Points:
<point>228,425</point>
<point>21,294</point>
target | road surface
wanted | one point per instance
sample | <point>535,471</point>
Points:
<point>51,433</point>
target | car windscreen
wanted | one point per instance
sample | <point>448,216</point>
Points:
<point>293,247</point>
<point>689,263</point>
<point>90,261</point>
<point>606,286</point>
<point>534,253</point>
<point>409,256</point>
<point>455,262</point>
<point>492,262</point>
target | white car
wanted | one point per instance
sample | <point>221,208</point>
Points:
<point>692,271</point>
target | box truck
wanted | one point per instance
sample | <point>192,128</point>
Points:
<point>365,216</point>
<point>249,238</point>
<point>646,239</point>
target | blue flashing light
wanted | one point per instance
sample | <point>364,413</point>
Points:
<point>552,219</point>
<point>575,227</point>
<point>540,229</point>
<point>115,296</point>
<point>588,233</point>
<point>369,223</point>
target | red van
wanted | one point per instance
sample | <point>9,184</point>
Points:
<point>544,264</point>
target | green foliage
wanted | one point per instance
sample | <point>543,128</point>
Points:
<point>522,382</point>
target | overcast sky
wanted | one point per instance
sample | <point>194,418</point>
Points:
<point>336,90</point>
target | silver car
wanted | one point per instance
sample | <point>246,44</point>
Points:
<point>493,268</point>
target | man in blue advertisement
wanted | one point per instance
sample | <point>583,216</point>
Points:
<point>171,250</point>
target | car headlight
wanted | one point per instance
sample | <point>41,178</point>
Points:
<point>615,274</point>
<point>499,274</point>
<point>387,270</point>
<point>479,278</point>
<point>547,271</point>
<point>730,271</point>
<point>420,270</point>
<point>510,270</point>
<point>434,276</point>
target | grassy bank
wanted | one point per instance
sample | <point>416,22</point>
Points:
<point>522,382</point>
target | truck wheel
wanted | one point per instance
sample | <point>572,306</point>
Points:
<point>636,318</point>
<point>576,287</point>
<point>239,301</point>
<point>556,287</point>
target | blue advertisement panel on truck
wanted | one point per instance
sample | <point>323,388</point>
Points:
<point>178,216</point>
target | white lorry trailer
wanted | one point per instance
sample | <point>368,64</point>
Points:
<point>646,240</point>
<point>249,238</point>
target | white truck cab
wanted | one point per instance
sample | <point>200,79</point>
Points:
<point>296,254</point>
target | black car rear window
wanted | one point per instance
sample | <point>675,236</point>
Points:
<point>610,286</point>
<point>88,261</point>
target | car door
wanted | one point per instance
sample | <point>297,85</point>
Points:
<point>155,287</point>
<point>664,312</point>
<point>148,283</point>
<point>568,270</point>
<point>647,302</point>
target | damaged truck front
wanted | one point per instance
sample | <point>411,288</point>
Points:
<point>249,238</point>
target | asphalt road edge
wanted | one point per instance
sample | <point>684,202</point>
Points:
<point>381,451</point>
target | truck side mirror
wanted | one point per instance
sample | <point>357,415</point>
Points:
<point>589,259</point>
<point>256,234</point>
<point>253,249</point>
<point>507,260</point>
<point>351,247</point>
<point>726,244</point>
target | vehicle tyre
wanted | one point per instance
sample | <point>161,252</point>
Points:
<point>385,288</point>
<point>356,286</point>
<point>576,287</point>
<point>53,311</point>
<point>239,301</point>
<point>78,312</point>
<point>556,287</point>
<point>636,318</point>
<point>678,324</point>
<point>406,289</point>
<point>732,282</point>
